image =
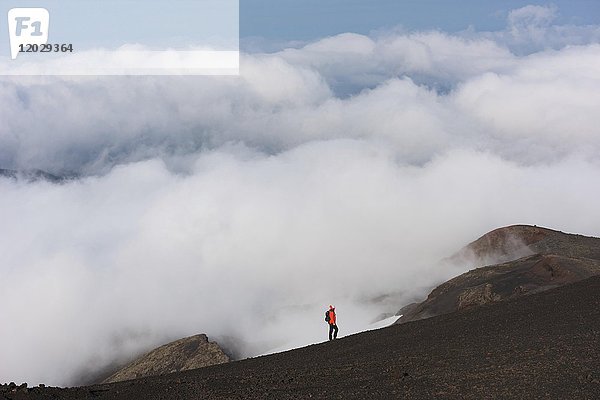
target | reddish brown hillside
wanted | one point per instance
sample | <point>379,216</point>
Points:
<point>503,244</point>
<point>527,259</point>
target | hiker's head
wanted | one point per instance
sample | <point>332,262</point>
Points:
<point>331,307</point>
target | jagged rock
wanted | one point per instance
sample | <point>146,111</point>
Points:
<point>184,354</point>
<point>477,296</point>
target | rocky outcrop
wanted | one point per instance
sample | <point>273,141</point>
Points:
<point>477,296</point>
<point>182,355</point>
<point>527,259</point>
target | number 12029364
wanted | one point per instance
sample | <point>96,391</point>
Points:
<point>46,48</point>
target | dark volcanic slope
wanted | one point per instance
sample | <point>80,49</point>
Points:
<point>533,259</point>
<point>540,346</point>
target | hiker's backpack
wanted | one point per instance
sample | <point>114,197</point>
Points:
<point>327,316</point>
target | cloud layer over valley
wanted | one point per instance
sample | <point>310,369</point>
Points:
<point>241,207</point>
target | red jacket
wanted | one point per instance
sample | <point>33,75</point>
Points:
<point>332,317</point>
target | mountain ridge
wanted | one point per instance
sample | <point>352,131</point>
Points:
<point>531,259</point>
<point>33,175</point>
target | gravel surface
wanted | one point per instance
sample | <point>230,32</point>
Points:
<point>543,346</point>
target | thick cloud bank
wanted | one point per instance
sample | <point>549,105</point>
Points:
<point>241,207</point>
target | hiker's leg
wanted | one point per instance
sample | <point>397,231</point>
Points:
<point>330,331</point>
<point>335,331</point>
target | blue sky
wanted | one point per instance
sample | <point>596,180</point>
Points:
<point>109,23</point>
<point>311,19</point>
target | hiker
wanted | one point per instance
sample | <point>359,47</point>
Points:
<point>331,320</point>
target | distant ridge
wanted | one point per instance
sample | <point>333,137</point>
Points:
<point>31,175</point>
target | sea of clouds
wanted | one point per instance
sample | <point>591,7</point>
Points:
<point>241,207</point>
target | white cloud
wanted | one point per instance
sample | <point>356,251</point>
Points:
<point>531,17</point>
<point>531,29</point>
<point>250,246</point>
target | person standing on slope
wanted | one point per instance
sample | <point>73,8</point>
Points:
<point>331,320</point>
